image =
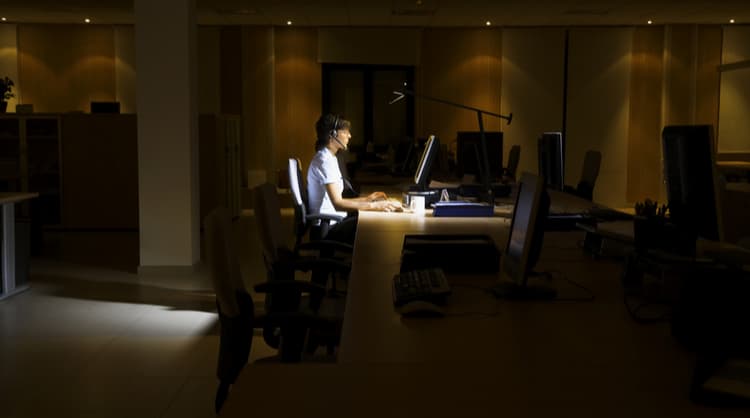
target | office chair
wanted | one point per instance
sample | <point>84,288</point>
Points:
<point>296,310</point>
<point>234,305</point>
<point>316,225</point>
<point>284,320</point>
<point>304,224</point>
<point>585,188</point>
<point>509,172</point>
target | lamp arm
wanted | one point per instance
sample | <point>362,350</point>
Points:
<point>402,93</point>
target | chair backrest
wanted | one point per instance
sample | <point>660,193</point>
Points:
<point>591,163</point>
<point>221,255</point>
<point>513,157</point>
<point>268,219</point>
<point>299,198</point>
<point>235,305</point>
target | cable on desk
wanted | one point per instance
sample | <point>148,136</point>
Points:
<point>560,275</point>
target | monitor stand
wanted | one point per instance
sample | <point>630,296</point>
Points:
<point>534,288</point>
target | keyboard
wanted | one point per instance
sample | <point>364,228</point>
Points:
<point>429,285</point>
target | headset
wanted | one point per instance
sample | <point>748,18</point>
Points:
<point>335,133</point>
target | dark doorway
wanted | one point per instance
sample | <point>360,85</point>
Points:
<point>361,93</point>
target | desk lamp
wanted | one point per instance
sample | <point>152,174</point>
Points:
<point>484,164</point>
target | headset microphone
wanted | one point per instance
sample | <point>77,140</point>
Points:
<point>334,132</point>
<point>340,143</point>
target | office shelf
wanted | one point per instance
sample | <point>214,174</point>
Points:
<point>30,150</point>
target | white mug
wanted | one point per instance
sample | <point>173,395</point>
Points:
<point>416,204</point>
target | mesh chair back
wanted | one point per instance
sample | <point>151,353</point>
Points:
<point>591,164</point>
<point>268,219</point>
<point>299,198</point>
<point>221,254</point>
<point>513,157</point>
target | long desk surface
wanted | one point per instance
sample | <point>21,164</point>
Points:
<point>487,357</point>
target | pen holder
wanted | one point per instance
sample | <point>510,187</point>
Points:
<point>647,232</point>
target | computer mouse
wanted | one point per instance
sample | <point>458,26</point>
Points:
<point>421,309</point>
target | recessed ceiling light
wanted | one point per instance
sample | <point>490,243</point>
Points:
<point>289,23</point>
<point>87,20</point>
<point>488,23</point>
<point>4,19</point>
<point>650,22</point>
<point>730,20</point>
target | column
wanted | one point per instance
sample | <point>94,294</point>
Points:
<point>166,89</point>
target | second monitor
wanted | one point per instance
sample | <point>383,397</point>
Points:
<point>551,154</point>
<point>468,153</point>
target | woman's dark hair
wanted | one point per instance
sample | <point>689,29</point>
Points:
<point>325,129</point>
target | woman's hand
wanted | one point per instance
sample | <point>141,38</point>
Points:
<point>386,206</point>
<point>376,196</point>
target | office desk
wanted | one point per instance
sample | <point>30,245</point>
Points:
<point>8,259</point>
<point>487,357</point>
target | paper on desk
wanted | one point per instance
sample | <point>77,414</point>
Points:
<point>434,184</point>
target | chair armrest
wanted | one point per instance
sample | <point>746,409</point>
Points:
<point>325,217</point>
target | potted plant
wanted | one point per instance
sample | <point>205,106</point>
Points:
<point>6,91</point>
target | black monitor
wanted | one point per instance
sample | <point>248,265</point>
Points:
<point>551,153</point>
<point>689,174</point>
<point>424,168</point>
<point>525,241</point>
<point>105,107</point>
<point>468,153</point>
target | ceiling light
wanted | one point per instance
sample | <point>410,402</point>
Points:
<point>4,19</point>
<point>730,20</point>
<point>488,23</point>
<point>649,22</point>
<point>289,23</point>
<point>87,20</point>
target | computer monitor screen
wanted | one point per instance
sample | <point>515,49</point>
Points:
<point>551,154</point>
<point>468,153</point>
<point>424,169</point>
<point>525,240</point>
<point>689,175</point>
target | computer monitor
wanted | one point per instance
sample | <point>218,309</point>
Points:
<point>426,161</point>
<point>525,241</point>
<point>105,107</point>
<point>551,153</point>
<point>689,174</point>
<point>468,153</point>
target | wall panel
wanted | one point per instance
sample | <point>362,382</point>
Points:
<point>258,98</point>
<point>65,67</point>
<point>533,61</point>
<point>645,124</point>
<point>734,108</point>
<point>598,108</point>
<point>463,66</point>
<point>297,93</point>
<point>9,61</point>
<point>125,68</point>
